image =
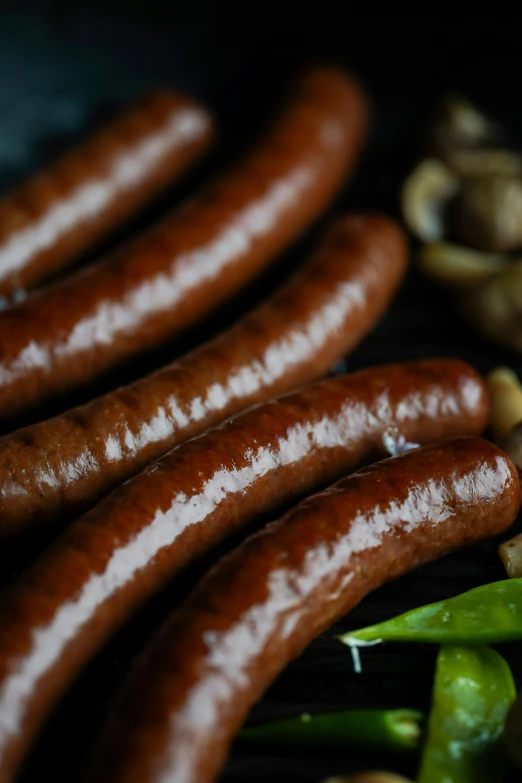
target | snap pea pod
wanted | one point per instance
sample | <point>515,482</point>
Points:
<point>378,730</point>
<point>472,694</point>
<point>488,614</point>
<point>513,735</point>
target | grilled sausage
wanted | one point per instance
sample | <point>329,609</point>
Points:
<point>109,562</point>
<point>262,605</point>
<point>68,207</point>
<point>59,467</point>
<point>188,264</point>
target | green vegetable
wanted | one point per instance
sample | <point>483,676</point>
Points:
<point>513,734</point>
<point>377,730</point>
<point>488,614</point>
<point>473,692</point>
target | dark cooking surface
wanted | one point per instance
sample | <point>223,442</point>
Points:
<point>62,71</point>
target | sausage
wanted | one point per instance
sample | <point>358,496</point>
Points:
<point>60,467</point>
<point>185,266</point>
<point>66,208</point>
<point>106,564</point>
<point>262,605</point>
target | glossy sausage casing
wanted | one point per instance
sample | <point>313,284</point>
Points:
<point>263,604</point>
<point>196,258</point>
<point>109,562</point>
<point>60,467</point>
<point>67,208</point>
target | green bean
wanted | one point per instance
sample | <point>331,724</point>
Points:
<point>472,694</point>
<point>378,730</point>
<point>488,614</point>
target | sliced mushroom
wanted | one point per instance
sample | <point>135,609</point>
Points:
<point>513,445</point>
<point>488,213</point>
<point>511,555</point>
<point>506,402</point>
<point>484,162</point>
<point>460,126</point>
<point>460,267</point>
<point>425,197</point>
<point>369,777</point>
<point>494,307</point>
<point>463,124</point>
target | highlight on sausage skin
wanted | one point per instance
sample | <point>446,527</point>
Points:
<point>188,264</point>
<point>57,468</point>
<point>262,605</point>
<point>109,562</point>
<point>65,209</point>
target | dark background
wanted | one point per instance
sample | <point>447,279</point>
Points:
<point>64,68</point>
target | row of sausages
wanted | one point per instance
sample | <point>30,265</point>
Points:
<point>192,260</point>
<point>204,474</point>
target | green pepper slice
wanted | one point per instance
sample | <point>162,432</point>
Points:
<point>378,730</point>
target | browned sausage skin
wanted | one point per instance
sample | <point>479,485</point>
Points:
<point>109,562</point>
<point>188,264</point>
<point>68,207</point>
<point>62,466</point>
<point>263,604</point>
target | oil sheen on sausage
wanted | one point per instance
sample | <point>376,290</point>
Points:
<point>106,564</point>
<point>60,467</point>
<point>67,208</point>
<point>185,266</point>
<point>262,605</point>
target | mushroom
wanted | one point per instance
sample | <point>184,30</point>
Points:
<point>513,445</point>
<point>484,162</point>
<point>470,192</point>
<point>469,142</point>
<point>488,212</point>
<point>457,266</point>
<point>425,197</point>
<point>494,307</point>
<point>511,555</point>
<point>460,124</point>
<point>506,402</point>
<point>472,147</point>
<point>506,425</point>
